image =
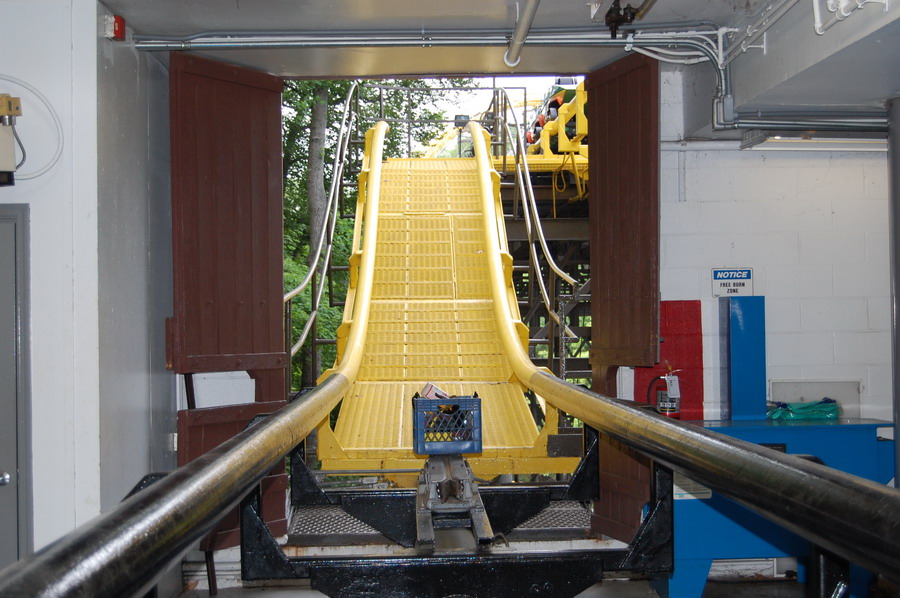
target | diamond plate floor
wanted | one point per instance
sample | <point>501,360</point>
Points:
<point>329,525</point>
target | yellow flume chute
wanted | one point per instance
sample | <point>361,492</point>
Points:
<point>422,308</point>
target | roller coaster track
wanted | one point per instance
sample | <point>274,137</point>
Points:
<point>122,552</point>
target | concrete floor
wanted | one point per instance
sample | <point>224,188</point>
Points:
<point>607,589</point>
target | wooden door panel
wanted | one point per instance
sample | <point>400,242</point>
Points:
<point>200,431</point>
<point>623,112</point>
<point>226,218</point>
<point>227,255</point>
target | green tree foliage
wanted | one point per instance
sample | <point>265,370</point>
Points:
<point>392,100</point>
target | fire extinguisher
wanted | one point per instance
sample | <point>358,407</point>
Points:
<point>671,405</point>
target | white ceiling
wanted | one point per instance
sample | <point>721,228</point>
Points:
<point>861,76</point>
<point>421,18</point>
<point>180,17</point>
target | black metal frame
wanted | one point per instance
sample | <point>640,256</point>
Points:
<point>479,574</point>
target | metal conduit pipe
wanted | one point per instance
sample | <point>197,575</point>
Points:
<point>840,11</point>
<point>658,55</point>
<point>513,53</point>
<point>850,124</point>
<point>893,107</point>
<point>724,145</point>
<point>668,25</point>
<point>421,34</point>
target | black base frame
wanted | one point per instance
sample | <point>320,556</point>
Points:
<point>476,575</point>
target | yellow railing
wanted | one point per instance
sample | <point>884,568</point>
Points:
<point>556,128</point>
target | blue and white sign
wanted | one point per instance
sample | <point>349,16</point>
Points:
<point>731,282</point>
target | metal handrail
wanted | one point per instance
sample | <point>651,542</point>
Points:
<point>533,227</point>
<point>326,236</point>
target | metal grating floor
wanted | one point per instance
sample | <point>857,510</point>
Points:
<point>329,525</point>
<point>563,514</point>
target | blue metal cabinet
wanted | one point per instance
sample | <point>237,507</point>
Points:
<point>718,528</point>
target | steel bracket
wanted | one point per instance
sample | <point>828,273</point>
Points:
<point>585,483</point>
<point>305,489</point>
<point>651,548</point>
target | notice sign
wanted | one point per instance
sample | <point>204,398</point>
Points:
<point>684,488</point>
<point>729,282</point>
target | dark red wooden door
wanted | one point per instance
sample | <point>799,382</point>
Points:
<point>200,431</point>
<point>623,112</point>
<point>226,218</point>
<point>624,212</point>
<point>227,253</point>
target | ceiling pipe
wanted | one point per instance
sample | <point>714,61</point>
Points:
<point>513,54</point>
<point>841,9</point>
<point>723,113</point>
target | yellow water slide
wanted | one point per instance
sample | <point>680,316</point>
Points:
<point>431,300</point>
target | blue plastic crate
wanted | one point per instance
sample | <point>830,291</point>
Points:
<point>447,426</point>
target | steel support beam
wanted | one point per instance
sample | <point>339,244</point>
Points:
<point>556,229</point>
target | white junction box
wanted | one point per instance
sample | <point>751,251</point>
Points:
<point>7,149</point>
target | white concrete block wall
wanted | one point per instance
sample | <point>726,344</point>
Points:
<point>813,226</point>
<point>135,268</point>
<point>61,64</point>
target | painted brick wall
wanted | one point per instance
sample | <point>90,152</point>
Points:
<point>681,350</point>
<point>812,225</point>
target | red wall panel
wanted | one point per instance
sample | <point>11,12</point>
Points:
<point>681,349</point>
<point>200,431</point>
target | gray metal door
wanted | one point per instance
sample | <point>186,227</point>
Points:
<point>11,402</point>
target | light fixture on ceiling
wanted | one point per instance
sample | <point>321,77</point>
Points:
<point>615,16</point>
<point>816,141</point>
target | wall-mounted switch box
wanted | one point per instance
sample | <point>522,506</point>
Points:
<point>10,105</point>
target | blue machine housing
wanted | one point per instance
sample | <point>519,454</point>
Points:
<point>719,528</point>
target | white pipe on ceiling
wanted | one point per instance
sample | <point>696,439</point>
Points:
<point>513,54</point>
<point>840,9</point>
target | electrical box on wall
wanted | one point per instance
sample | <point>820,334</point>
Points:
<point>10,108</point>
